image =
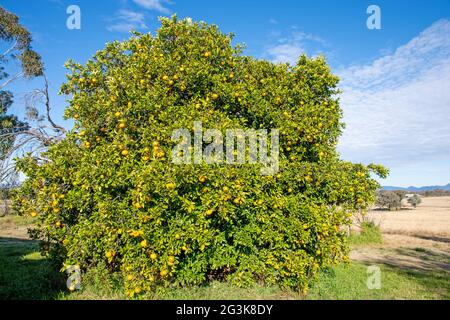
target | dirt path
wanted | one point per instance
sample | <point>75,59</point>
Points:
<point>416,239</point>
<point>13,227</point>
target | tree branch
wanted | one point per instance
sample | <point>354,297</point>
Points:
<point>47,107</point>
<point>18,75</point>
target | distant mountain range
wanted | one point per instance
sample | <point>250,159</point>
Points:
<point>425,188</point>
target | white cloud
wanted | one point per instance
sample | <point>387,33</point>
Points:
<point>285,52</point>
<point>153,5</point>
<point>288,48</point>
<point>397,108</point>
<point>127,20</point>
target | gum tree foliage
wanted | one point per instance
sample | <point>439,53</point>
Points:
<point>19,41</point>
<point>109,194</point>
<point>391,200</point>
<point>32,132</point>
<point>415,200</point>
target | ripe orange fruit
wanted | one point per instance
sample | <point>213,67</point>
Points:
<point>109,254</point>
<point>118,114</point>
<point>209,212</point>
<point>202,179</point>
<point>122,125</point>
<point>87,144</point>
<point>125,152</point>
<point>34,214</point>
<point>144,243</point>
<point>215,96</point>
<point>164,272</point>
<point>207,54</point>
<point>130,277</point>
<point>58,224</point>
<point>160,154</point>
<point>170,186</point>
<point>153,256</point>
<point>171,259</point>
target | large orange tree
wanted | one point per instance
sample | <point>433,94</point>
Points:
<point>110,195</point>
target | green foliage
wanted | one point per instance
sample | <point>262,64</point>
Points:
<point>435,193</point>
<point>370,233</point>
<point>391,200</point>
<point>109,193</point>
<point>415,200</point>
<point>31,66</point>
<point>11,30</point>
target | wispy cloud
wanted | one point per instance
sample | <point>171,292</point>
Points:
<point>156,5</point>
<point>127,20</point>
<point>288,47</point>
<point>397,108</point>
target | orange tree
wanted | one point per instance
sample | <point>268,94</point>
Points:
<point>109,194</point>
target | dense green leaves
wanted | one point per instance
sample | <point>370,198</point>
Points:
<point>110,193</point>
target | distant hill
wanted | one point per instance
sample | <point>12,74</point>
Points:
<point>415,189</point>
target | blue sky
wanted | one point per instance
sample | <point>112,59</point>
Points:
<point>396,100</point>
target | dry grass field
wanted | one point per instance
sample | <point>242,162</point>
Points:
<point>413,239</point>
<point>430,219</point>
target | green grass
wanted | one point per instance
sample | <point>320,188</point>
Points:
<point>369,234</point>
<point>350,282</point>
<point>25,274</point>
<point>346,282</point>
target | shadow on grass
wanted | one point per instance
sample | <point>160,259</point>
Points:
<point>414,259</point>
<point>24,273</point>
<point>429,268</point>
<point>433,238</point>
